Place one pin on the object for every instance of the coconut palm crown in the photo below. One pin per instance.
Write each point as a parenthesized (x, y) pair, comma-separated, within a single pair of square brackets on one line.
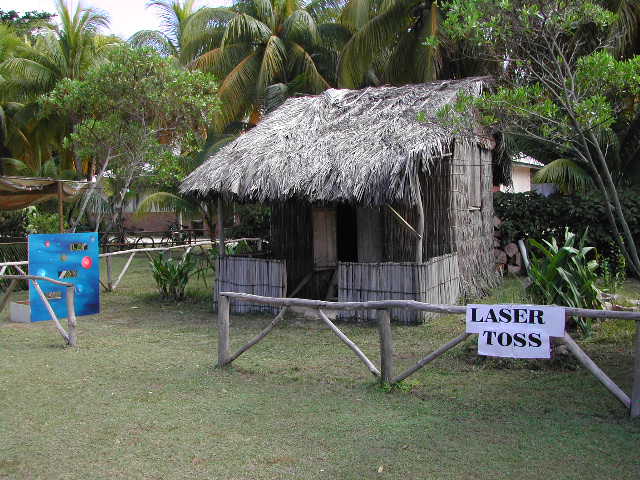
[(259, 43)]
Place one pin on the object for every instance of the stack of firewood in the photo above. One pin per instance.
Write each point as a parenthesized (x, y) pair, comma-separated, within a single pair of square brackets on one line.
[(508, 258)]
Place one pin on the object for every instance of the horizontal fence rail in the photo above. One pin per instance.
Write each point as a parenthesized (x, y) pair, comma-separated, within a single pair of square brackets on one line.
[(384, 307), (111, 285), (70, 337)]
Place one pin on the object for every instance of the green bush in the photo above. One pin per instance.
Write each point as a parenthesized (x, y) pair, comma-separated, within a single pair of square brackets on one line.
[(42, 222), (172, 275), (529, 215), (13, 223), (565, 275), (254, 222)]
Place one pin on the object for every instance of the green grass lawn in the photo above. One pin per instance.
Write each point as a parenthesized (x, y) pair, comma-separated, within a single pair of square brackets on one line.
[(140, 399)]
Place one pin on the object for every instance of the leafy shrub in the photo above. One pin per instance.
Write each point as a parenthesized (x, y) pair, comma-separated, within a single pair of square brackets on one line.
[(13, 223), (172, 275), (254, 222), (529, 215), (613, 270), (42, 222), (564, 275)]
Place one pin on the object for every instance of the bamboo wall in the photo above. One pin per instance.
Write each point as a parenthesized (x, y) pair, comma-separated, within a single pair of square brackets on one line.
[(472, 228), (250, 275), (434, 281)]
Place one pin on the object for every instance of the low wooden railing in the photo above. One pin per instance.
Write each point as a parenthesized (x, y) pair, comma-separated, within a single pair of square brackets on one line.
[(386, 371), (70, 337), (111, 285)]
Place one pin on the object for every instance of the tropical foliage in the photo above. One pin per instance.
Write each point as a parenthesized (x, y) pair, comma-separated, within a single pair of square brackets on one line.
[(172, 275), (565, 275), (130, 111), (558, 88)]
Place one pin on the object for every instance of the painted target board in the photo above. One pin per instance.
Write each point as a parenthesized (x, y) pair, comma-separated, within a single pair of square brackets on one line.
[(515, 331), (69, 257)]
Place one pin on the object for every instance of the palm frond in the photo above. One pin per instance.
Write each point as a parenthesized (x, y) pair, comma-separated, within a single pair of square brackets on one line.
[(165, 201), (355, 14), (154, 39), (238, 90), (371, 39), (273, 63), (566, 174), (220, 61), (300, 27), (625, 31), (244, 28), (300, 62)]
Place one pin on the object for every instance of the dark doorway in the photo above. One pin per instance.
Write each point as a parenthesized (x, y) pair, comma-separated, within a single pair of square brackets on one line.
[(347, 233)]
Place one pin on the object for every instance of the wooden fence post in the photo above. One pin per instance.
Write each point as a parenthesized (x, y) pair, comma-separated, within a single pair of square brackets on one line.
[(109, 282), (634, 410), (386, 346), (71, 316), (223, 330)]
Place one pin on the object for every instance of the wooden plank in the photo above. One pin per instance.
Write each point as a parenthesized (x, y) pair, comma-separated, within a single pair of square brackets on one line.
[(431, 357), (7, 294), (386, 346), (124, 270), (258, 337), (221, 245), (325, 252), (47, 305), (590, 365), (372, 368), (223, 331), (412, 304), (71, 316)]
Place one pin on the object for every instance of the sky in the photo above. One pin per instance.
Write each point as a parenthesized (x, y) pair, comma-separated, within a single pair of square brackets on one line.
[(127, 16)]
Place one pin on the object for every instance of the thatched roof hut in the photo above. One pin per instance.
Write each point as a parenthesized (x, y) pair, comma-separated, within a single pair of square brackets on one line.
[(380, 159), (356, 146)]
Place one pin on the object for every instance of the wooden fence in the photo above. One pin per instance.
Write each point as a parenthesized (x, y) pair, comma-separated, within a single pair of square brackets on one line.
[(386, 371), (256, 276), (112, 281), (436, 280), (69, 337)]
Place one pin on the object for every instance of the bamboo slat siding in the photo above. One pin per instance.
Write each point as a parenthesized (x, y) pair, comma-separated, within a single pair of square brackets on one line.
[(435, 281), (250, 275), (472, 228)]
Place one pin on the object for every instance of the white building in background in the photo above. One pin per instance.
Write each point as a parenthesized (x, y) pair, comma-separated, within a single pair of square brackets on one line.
[(522, 172)]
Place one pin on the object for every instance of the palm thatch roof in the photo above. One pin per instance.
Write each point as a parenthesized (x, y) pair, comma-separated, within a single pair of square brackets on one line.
[(357, 146)]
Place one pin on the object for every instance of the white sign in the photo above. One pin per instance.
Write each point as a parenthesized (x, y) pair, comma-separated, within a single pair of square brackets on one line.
[(516, 331)]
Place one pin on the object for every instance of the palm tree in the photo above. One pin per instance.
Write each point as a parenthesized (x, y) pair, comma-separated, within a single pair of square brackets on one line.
[(184, 35), (37, 65), (625, 31), (394, 41), (260, 43)]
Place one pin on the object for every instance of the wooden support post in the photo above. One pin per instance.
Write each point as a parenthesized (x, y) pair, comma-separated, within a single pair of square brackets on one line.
[(386, 346), (258, 337), (429, 358), (109, 283), (634, 410), (589, 364), (60, 207), (223, 331), (221, 248), (71, 316), (51, 312), (372, 368), (124, 270), (420, 220), (7, 294)]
